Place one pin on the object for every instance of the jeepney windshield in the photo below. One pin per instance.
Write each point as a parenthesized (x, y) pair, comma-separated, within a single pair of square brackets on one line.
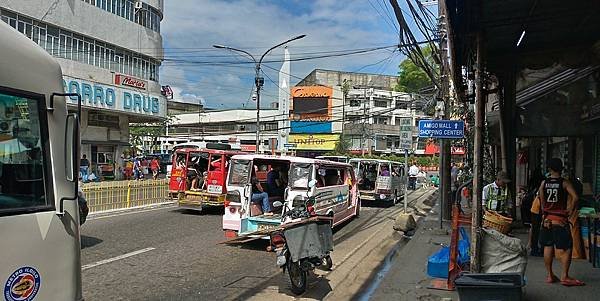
[(300, 175), (240, 172)]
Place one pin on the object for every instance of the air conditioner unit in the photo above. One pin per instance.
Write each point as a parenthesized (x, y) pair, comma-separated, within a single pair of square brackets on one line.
[(138, 4)]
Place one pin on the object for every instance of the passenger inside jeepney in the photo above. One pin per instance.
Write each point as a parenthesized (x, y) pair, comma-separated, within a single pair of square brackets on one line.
[(368, 176), (384, 172), (196, 171)]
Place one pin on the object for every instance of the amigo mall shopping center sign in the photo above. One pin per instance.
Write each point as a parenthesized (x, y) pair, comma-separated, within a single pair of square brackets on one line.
[(95, 95)]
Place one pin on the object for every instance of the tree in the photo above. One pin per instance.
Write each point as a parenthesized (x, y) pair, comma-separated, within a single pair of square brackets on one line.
[(140, 131), (412, 78)]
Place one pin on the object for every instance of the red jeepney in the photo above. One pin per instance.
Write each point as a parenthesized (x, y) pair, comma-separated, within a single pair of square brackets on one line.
[(198, 177)]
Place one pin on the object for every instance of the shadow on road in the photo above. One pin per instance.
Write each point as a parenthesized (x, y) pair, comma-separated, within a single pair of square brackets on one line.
[(205, 211), (89, 241)]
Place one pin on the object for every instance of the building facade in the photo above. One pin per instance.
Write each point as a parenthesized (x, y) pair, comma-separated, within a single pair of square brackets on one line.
[(237, 127), (361, 107), (110, 52)]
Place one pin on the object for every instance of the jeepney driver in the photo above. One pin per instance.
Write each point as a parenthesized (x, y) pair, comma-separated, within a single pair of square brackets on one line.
[(496, 197)]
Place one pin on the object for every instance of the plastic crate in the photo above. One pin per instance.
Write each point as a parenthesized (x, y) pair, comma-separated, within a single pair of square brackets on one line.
[(497, 287)]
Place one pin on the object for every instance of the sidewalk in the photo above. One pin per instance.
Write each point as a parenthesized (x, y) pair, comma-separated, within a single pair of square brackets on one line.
[(407, 278)]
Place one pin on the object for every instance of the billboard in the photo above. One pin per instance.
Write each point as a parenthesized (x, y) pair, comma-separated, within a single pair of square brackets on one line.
[(325, 142), (312, 103), (311, 127)]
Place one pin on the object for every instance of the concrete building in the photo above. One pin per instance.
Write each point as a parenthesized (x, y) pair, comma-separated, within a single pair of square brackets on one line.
[(236, 126), (110, 52), (368, 114)]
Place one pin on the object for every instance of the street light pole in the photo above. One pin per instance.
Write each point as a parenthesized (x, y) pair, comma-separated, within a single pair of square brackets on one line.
[(258, 80)]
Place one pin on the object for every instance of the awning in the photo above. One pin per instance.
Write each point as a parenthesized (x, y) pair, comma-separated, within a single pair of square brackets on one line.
[(551, 84)]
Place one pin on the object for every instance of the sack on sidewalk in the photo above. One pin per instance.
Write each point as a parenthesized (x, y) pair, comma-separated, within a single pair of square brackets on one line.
[(502, 254)]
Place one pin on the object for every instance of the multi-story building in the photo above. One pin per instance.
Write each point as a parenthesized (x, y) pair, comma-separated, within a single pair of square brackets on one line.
[(110, 52), (237, 127), (368, 113)]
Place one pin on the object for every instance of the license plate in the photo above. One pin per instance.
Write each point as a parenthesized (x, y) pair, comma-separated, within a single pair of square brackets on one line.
[(215, 188), (262, 227)]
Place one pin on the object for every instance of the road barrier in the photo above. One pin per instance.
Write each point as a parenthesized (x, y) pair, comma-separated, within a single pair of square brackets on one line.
[(113, 195)]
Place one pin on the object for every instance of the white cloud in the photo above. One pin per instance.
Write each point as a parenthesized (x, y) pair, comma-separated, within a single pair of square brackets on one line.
[(190, 27)]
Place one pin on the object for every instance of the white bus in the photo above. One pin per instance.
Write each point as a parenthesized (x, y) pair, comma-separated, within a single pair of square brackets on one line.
[(39, 162), (335, 191), (379, 180)]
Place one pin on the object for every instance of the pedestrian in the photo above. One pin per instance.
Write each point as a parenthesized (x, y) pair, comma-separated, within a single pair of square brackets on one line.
[(531, 202), (259, 195), (496, 196), (413, 172), (137, 169), (558, 200), (453, 182), (155, 167), (84, 167)]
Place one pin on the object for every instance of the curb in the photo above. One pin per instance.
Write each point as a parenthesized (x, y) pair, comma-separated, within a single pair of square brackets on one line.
[(115, 212)]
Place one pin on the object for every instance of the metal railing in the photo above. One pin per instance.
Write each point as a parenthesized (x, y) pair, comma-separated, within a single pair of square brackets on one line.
[(114, 195)]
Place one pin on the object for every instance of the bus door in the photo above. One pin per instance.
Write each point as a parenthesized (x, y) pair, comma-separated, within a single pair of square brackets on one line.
[(239, 193), (178, 180), (383, 184), (216, 174)]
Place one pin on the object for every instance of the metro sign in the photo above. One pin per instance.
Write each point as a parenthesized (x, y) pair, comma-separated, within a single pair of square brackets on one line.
[(129, 81)]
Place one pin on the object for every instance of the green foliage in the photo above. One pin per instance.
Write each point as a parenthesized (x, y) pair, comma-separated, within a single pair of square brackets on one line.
[(342, 147), (154, 130), (412, 78)]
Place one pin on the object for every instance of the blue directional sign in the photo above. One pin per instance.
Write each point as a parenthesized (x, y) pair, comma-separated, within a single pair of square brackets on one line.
[(444, 129)]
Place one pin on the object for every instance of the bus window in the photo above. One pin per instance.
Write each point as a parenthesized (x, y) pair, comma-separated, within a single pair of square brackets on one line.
[(299, 176), (240, 172), (21, 156)]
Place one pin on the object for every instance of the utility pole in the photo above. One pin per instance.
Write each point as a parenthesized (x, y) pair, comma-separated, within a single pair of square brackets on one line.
[(477, 160), (258, 80), (365, 120), (445, 156)]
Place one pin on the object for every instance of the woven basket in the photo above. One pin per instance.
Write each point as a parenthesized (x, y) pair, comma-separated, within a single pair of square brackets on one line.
[(497, 222)]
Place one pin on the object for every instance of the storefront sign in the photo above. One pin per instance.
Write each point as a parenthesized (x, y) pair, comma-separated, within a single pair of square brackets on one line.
[(312, 91), (314, 142), (95, 95), (125, 80), (311, 127)]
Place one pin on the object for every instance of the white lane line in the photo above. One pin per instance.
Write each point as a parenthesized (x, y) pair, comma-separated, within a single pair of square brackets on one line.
[(133, 211), (109, 260)]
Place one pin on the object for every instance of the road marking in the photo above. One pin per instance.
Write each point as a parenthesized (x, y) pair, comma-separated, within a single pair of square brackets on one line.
[(109, 260), (133, 211)]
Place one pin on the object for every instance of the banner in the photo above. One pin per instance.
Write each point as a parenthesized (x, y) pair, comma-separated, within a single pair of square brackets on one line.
[(324, 142)]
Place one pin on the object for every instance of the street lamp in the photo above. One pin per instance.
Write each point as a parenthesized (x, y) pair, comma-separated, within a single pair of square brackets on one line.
[(258, 81)]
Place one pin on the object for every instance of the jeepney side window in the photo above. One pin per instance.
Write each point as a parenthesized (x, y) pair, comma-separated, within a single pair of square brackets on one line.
[(240, 172), (22, 156), (300, 175)]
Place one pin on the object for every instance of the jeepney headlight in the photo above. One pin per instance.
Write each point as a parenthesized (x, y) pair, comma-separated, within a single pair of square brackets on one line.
[(382, 196)]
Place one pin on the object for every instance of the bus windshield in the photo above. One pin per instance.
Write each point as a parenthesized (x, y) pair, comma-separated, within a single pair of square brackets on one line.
[(21, 160), (299, 175), (240, 172)]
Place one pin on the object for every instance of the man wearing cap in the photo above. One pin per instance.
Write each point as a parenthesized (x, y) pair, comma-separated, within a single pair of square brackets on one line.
[(496, 196)]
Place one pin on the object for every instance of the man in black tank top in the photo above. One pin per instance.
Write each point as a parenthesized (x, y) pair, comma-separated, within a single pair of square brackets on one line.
[(555, 233)]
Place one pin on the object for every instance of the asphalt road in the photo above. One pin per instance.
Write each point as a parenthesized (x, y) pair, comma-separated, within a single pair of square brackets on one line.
[(171, 254)]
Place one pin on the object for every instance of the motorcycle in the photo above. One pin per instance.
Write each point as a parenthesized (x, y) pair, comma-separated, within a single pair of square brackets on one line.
[(304, 243)]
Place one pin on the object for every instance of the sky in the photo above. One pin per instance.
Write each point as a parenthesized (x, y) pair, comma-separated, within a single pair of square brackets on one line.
[(222, 79)]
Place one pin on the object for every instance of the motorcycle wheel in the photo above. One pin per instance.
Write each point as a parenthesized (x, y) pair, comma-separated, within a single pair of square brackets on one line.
[(327, 263), (297, 277)]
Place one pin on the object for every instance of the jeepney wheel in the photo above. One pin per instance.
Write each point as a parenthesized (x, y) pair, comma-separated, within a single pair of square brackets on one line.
[(327, 263), (297, 277)]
